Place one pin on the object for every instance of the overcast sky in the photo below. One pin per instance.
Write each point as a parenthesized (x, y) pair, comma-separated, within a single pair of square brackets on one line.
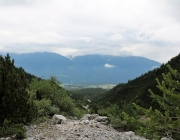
[(148, 28)]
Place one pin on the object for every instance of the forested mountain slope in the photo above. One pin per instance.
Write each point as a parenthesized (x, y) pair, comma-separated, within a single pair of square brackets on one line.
[(88, 69), (137, 90)]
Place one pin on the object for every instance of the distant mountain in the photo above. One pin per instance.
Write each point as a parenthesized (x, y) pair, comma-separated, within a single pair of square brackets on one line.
[(89, 69), (136, 90)]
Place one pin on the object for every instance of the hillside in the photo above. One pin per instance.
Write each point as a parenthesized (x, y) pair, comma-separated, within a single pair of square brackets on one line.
[(87, 93), (137, 90), (89, 69)]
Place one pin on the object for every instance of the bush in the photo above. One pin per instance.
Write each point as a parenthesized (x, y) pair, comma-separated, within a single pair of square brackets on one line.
[(20, 134), (50, 98), (8, 129), (118, 116), (166, 120)]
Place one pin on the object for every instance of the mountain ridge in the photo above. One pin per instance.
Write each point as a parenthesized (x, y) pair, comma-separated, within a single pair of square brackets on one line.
[(86, 69), (136, 90)]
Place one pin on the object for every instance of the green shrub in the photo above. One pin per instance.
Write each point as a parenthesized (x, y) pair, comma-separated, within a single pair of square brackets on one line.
[(8, 129), (166, 120), (118, 117), (50, 98), (20, 134), (53, 110)]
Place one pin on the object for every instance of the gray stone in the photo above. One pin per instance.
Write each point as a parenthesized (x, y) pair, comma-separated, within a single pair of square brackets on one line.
[(29, 138), (58, 119), (85, 121), (85, 117), (93, 116), (130, 134), (164, 138), (102, 119)]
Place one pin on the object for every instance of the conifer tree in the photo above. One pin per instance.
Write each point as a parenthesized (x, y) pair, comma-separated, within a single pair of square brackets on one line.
[(14, 99), (166, 120)]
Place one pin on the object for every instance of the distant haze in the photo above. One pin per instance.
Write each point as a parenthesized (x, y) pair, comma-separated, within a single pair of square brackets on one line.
[(89, 69), (148, 28)]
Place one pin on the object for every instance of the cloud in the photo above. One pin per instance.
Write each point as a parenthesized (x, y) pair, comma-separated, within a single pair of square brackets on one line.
[(154, 67), (85, 39), (145, 28), (14, 2), (108, 66), (116, 37)]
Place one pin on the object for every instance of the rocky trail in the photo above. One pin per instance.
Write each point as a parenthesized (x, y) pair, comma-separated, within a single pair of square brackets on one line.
[(89, 127)]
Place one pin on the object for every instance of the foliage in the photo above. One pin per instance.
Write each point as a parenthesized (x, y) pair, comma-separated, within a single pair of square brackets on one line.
[(15, 104), (8, 129), (166, 120), (87, 93), (50, 98), (20, 134), (87, 96), (117, 116)]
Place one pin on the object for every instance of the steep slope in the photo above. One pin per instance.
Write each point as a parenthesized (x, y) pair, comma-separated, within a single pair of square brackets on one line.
[(89, 69), (137, 90)]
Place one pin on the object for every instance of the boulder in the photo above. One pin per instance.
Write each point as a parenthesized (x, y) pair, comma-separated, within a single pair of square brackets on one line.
[(85, 117), (93, 116), (102, 119), (89, 117), (58, 119), (130, 134)]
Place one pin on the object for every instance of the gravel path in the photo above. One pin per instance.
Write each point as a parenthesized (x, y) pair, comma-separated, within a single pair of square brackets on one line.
[(77, 130)]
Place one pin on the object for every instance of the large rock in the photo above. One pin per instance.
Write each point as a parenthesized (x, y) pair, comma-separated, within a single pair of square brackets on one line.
[(102, 119), (58, 119), (85, 117), (94, 118), (89, 117)]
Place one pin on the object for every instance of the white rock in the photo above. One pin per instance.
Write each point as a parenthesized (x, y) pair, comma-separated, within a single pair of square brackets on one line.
[(130, 134), (58, 119), (164, 138), (102, 119), (85, 117), (29, 139)]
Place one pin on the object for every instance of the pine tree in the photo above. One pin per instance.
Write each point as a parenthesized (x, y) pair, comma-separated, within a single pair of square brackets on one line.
[(166, 120), (14, 99)]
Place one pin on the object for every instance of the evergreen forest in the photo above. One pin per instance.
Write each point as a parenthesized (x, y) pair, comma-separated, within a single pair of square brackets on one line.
[(148, 105)]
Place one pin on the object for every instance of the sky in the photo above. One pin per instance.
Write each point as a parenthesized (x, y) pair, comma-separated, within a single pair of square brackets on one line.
[(147, 28)]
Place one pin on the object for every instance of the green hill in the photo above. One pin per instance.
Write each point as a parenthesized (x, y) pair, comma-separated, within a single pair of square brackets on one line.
[(137, 90)]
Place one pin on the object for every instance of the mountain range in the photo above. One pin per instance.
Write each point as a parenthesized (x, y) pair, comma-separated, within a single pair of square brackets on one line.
[(88, 69), (136, 90)]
